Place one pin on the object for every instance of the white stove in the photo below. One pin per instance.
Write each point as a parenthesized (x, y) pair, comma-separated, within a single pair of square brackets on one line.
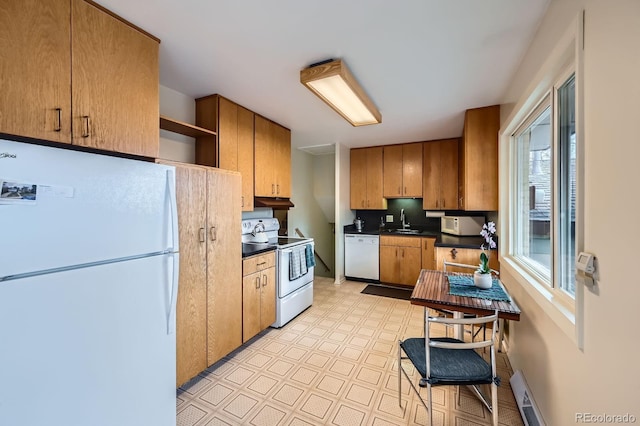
[(294, 273)]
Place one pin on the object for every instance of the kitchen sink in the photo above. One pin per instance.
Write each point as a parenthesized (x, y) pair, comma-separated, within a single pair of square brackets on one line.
[(404, 231)]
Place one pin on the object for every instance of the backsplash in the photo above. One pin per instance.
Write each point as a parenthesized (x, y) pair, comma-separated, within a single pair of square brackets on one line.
[(414, 215)]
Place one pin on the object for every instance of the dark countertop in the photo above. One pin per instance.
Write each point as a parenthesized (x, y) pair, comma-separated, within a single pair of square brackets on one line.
[(442, 240), (253, 249)]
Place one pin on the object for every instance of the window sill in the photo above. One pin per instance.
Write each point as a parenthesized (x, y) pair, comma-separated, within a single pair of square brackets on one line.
[(557, 310)]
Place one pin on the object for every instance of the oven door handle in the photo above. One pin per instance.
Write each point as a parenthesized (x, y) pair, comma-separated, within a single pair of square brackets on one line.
[(286, 251)]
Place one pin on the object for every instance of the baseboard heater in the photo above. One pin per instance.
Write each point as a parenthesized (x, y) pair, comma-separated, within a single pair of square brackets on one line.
[(527, 406)]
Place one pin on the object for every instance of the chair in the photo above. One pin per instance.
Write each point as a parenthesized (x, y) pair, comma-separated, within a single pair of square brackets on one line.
[(447, 361)]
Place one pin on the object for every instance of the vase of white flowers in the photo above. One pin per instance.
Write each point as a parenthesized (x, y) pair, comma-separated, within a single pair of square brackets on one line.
[(482, 276)]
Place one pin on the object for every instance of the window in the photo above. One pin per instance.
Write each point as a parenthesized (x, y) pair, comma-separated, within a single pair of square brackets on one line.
[(544, 189)]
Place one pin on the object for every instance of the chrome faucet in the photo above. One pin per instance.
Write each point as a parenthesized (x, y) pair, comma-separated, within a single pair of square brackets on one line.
[(402, 218)]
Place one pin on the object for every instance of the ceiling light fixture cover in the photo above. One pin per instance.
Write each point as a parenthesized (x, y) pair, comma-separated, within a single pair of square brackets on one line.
[(332, 82)]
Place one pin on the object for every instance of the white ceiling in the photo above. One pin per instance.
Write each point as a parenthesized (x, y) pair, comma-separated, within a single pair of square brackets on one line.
[(423, 62)]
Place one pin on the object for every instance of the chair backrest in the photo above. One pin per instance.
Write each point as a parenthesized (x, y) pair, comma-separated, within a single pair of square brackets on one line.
[(457, 267), (449, 344)]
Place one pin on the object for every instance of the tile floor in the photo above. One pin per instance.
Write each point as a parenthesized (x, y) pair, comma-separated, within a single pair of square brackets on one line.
[(335, 364)]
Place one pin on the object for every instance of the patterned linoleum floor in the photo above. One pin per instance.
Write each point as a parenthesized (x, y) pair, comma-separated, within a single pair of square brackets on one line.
[(335, 364)]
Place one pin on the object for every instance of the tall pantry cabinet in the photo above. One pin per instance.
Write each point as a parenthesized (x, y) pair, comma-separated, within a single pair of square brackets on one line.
[(73, 72), (209, 307)]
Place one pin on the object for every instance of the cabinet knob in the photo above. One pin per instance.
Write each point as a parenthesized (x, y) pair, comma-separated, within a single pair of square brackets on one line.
[(454, 252), (213, 233), (273, 188), (265, 280), (278, 189), (258, 282), (202, 237)]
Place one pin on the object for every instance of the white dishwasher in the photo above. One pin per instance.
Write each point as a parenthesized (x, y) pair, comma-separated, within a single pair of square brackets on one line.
[(362, 256)]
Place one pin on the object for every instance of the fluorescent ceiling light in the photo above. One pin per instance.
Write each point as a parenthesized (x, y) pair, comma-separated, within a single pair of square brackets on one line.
[(332, 82)]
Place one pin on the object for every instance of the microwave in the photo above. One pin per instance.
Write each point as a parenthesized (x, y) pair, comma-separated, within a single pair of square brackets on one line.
[(461, 225)]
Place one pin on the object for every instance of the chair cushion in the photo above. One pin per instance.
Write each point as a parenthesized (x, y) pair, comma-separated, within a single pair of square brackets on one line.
[(448, 366)]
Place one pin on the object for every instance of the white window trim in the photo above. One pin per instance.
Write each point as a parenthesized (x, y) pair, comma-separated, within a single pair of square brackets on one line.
[(565, 313)]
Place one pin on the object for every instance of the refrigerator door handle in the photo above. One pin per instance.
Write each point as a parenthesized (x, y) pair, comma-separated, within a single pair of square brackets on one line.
[(171, 187), (171, 317)]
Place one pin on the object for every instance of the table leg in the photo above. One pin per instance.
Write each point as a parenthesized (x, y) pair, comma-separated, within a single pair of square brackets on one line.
[(500, 333)]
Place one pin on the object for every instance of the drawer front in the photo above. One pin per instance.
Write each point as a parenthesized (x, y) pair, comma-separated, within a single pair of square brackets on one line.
[(399, 241), (253, 264)]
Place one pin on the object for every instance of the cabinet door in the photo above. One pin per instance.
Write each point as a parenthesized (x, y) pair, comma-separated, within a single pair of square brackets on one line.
[(428, 253), (114, 85), (358, 178), (264, 154), (410, 264), (35, 72), (389, 265), (431, 175), (245, 156), (412, 170), (251, 295), (282, 160), (224, 263), (480, 142), (375, 198), (227, 134), (191, 307), (449, 174), (267, 298), (392, 171)]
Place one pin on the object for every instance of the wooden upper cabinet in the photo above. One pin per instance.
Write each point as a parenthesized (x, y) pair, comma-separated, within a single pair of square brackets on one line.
[(35, 74), (272, 159), (114, 83), (478, 171), (402, 170), (375, 197), (73, 72), (440, 185), (366, 181), (392, 171), (358, 178), (235, 138)]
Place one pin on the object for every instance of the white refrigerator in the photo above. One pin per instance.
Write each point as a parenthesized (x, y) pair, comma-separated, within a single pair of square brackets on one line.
[(88, 288)]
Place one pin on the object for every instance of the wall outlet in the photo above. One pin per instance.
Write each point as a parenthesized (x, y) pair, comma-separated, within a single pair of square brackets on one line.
[(389, 218)]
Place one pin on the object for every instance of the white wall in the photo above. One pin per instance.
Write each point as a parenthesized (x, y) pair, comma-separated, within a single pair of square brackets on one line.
[(344, 215), (307, 215), (604, 377)]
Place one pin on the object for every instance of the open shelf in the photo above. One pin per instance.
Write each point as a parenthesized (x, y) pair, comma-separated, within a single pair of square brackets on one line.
[(183, 128)]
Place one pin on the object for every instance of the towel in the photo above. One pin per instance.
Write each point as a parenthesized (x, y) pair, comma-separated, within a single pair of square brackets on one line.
[(297, 263), (308, 254)]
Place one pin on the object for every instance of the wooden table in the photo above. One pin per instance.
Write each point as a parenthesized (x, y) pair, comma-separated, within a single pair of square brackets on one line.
[(432, 291)]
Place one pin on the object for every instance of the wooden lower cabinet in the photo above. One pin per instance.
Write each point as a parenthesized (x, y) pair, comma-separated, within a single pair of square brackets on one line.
[(258, 294), (209, 305), (428, 253), (464, 255), (400, 260)]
